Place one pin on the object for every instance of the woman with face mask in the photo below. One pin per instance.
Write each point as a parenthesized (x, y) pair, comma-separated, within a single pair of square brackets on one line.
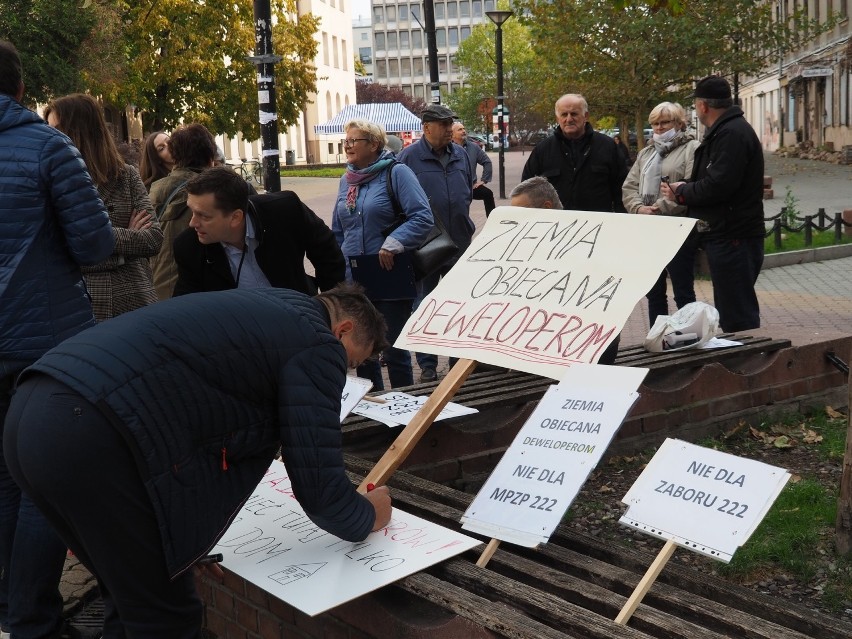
[(668, 157)]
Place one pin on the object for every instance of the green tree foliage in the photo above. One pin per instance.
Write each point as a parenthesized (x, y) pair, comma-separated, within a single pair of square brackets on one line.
[(187, 61), (530, 110), (626, 57)]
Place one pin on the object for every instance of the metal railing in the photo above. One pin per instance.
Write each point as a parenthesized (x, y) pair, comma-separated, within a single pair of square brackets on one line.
[(807, 224)]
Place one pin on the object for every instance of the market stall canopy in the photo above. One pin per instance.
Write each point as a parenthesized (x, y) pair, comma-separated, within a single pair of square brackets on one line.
[(393, 116)]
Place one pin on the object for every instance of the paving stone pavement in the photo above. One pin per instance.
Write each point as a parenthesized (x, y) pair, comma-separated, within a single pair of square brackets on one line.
[(804, 303)]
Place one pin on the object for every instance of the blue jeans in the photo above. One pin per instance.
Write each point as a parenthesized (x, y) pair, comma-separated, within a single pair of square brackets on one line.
[(681, 271), (31, 554), (734, 267), (396, 314), (424, 287)]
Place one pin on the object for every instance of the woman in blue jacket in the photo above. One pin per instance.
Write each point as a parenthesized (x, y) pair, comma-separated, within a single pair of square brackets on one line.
[(363, 222)]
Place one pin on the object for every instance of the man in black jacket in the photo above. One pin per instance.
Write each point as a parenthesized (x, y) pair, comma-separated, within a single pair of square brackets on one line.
[(584, 165), (141, 438), (725, 193), (237, 241)]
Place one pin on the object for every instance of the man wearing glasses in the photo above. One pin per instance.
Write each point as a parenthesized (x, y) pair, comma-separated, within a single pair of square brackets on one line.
[(444, 173)]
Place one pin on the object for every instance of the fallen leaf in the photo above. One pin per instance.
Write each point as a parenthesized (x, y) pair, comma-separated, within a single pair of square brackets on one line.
[(783, 442), (811, 437), (833, 414), (795, 479), (757, 434), (606, 488)]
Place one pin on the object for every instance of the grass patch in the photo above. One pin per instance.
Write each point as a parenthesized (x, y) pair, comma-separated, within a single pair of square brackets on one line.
[(323, 172), (796, 241)]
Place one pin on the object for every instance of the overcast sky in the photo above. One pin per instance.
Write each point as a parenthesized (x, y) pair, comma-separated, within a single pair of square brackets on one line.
[(360, 7)]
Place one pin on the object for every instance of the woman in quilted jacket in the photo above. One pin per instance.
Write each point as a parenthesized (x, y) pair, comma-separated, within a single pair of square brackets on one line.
[(122, 282)]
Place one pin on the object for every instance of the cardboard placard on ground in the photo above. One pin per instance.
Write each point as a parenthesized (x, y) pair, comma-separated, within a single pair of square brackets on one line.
[(702, 499), (353, 392), (538, 290), (274, 545), (563, 440), (399, 409)]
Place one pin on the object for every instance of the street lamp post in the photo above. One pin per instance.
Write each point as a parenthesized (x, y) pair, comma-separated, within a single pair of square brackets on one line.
[(737, 37), (498, 18)]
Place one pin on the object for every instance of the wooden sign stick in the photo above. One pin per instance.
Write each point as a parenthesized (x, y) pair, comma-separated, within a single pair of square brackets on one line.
[(419, 424), (646, 582), (489, 551)]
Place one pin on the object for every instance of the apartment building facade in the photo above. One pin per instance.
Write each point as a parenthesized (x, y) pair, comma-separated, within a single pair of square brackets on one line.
[(805, 96)]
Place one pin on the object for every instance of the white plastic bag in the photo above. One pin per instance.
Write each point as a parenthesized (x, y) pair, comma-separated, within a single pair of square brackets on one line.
[(690, 327)]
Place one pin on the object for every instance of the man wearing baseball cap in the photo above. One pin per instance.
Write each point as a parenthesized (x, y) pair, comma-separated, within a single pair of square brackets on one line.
[(443, 170), (725, 193)]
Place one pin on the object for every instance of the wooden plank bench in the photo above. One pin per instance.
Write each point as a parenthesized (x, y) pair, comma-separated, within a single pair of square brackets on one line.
[(575, 585)]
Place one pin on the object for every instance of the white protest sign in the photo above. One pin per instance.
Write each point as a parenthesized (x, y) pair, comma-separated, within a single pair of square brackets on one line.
[(541, 473), (274, 545), (400, 408), (537, 290), (702, 499), (353, 392)]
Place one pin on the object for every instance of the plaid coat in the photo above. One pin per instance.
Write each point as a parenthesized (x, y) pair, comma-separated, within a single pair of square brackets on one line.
[(123, 282)]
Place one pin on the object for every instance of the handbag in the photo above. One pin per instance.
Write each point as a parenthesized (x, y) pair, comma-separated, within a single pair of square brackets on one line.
[(438, 247)]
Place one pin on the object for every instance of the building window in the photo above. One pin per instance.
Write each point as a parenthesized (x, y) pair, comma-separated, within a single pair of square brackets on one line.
[(418, 66), (489, 5), (405, 67), (465, 33), (477, 8), (439, 11), (403, 13), (378, 15), (364, 35), (334, 51), (416, 39), (344, 54), (331, 148), (454, 67), (391, 13), (380, 41), (415, 11), (441, 37), (419, 91), (403, 41), (406, 89), (442, 64), (366, 55), (453, 36), (325, 48), (393, 68), (452, 10), (464, 8), (381, 69), (392, 45)]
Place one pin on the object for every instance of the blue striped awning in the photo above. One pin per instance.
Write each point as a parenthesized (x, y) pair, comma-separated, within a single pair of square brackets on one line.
[(394, 117)]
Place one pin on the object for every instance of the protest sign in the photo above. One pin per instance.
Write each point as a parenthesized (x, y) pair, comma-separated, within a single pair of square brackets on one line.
[(563, 440), (274, 545), (538, 290), (353, 392), (702, 499), (398, 409)]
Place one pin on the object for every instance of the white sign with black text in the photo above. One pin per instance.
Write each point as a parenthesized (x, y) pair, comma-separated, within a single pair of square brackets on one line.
[(702, 499), (541, 473), (274, 545)]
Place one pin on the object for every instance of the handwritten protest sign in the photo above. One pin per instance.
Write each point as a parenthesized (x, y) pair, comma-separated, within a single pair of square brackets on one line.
[(705, 500), (274, 545), (538, 290), (353, 393), (563, 440), (400, 408)]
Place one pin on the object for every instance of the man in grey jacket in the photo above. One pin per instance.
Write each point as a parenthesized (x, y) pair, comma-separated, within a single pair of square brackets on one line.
[(477, 156), (51, 222)]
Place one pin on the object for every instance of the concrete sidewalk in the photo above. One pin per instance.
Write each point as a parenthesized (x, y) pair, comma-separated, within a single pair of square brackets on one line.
[(804, 303)]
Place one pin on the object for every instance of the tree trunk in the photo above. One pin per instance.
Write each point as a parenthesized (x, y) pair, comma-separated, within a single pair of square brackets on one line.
[(640, 130), (843, 528)]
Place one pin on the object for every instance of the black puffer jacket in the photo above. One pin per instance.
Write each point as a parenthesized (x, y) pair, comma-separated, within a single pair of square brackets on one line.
[(726, 187), (204, 388), (592, 181)]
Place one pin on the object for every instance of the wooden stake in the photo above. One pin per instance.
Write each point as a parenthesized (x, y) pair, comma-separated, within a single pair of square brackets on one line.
[(419, 424), (646, 582), (843, 527), (486, 555)]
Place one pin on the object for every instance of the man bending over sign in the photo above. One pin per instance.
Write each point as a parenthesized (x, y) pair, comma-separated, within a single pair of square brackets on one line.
[(141, 438)]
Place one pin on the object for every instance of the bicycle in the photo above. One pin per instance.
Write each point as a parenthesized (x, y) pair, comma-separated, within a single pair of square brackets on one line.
[(251, 170)]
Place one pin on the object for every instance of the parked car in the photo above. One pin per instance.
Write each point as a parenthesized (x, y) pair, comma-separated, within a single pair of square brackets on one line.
[(479, 139)]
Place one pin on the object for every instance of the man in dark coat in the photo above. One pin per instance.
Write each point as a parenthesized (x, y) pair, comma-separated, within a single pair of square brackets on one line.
[(141, 438), (52, 221), (725, 193), (584, 165), (237, 241)]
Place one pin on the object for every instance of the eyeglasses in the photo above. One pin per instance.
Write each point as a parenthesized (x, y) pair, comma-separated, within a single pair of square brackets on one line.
[(352, 141)]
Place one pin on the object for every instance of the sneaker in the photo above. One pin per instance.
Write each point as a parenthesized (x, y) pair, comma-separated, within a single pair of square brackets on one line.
[(428, 375), (4, 634)]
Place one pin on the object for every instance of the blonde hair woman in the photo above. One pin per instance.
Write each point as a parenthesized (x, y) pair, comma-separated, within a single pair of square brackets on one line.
[(668, 157)]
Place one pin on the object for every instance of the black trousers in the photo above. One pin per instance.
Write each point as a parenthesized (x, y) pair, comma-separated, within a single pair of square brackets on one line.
[(81, 474), (485, 194)]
